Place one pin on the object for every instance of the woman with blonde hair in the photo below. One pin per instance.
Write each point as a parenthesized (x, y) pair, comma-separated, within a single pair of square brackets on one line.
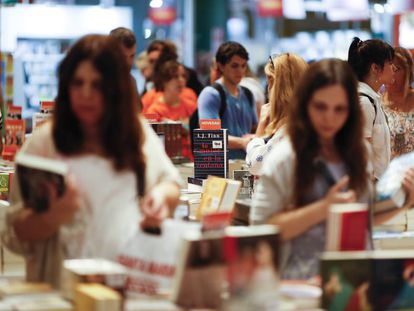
[(399, 104), (282, 72)]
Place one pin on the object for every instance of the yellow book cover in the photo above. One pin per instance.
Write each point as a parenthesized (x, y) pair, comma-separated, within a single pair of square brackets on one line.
[(212, 195)]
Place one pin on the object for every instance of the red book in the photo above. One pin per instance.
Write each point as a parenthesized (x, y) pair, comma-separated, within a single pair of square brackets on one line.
[(347, 227)]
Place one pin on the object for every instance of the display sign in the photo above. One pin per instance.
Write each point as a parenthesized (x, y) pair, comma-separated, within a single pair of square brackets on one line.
[(163, 15), (339, 10), (270, 8)]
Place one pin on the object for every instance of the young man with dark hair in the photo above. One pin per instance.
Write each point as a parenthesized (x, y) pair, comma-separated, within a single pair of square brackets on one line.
[(239, 116), (129, 44)]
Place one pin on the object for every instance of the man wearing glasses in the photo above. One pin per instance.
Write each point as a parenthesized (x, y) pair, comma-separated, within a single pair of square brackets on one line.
[(239, 116)]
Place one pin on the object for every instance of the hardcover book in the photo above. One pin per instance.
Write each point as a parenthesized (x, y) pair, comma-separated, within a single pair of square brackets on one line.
[(35, 175), (210, 153), (14, 137), (347, 227)]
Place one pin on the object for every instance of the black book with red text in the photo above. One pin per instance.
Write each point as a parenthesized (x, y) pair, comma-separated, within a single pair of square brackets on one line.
[(210, 153)]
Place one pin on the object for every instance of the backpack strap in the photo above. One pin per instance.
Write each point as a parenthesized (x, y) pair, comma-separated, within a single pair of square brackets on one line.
[(223, 101), (249, 95), (373, 104)]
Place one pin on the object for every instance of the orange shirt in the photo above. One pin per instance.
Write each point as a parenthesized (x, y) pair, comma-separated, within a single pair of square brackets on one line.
[(180, 112), (188, 97)]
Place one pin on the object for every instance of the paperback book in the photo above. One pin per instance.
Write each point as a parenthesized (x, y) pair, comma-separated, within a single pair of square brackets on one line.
[(35, 175)]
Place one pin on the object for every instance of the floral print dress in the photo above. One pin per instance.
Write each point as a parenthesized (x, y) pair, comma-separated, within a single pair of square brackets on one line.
[(401, 126)]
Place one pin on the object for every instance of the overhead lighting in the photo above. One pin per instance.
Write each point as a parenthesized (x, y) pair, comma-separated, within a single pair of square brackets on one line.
[(156, 4), (147, 33)]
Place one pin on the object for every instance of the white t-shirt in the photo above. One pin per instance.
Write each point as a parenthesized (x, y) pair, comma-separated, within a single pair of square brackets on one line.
[(375, 128)]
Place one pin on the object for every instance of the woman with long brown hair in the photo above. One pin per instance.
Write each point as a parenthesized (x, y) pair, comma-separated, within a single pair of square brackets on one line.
[(119, 173), (324, 161)]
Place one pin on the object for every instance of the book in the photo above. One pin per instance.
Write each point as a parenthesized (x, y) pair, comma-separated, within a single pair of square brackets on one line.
[(210, 265), (172, 132), (347, 227), (97, 297), (252, 260), (210, 153), (200, 271), (38, 302), (45, 113), (220, 194), (389, 192), (23, 288), (35, 174), (370, 280), (15, 130), (94, 270), (247, 181)]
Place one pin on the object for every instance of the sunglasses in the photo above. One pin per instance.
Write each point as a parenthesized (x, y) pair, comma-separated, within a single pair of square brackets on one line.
[(275, 55)]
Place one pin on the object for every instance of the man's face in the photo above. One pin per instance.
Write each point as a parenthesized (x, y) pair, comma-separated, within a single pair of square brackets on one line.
[(234, 70), (152, 58), (129, 55)]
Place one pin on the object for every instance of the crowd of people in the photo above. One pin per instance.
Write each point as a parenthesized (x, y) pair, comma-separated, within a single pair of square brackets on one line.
[(326, 134)]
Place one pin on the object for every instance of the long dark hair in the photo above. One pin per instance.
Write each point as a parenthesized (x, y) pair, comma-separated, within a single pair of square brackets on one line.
[(362, 54), (348, 141), (121, 134)]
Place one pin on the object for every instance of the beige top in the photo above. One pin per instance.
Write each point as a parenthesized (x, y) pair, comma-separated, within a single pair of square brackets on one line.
[(108, 211)]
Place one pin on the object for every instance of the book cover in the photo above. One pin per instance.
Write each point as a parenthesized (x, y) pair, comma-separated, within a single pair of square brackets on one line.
[(252, 260), (35, 174), (97, 297), (392, 287), (346, 279), (14, 112), (15, 135), (247, 181), (200, 272), (212, 195), (210, 153), (347, 227), (370, 280)]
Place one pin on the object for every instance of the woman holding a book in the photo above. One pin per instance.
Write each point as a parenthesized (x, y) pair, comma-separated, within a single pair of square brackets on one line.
[(323, 161), (119, 175)]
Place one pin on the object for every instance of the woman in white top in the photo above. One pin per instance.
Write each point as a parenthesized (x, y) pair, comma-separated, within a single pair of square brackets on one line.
[(323, 161), (282, 72), (120, 175), (371, 61)]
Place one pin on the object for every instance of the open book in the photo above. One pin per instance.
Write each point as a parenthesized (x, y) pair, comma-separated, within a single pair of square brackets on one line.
[(35, 174), (389, 192)]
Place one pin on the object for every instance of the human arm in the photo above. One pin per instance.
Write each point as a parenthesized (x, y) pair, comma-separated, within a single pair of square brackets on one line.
[(408, 185), (30, 226), (162, 181), (295, 222), (264, 120), (369, 115)]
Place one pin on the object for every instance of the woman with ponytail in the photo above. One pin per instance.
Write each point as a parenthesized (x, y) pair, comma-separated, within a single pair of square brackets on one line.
[(372, 63)]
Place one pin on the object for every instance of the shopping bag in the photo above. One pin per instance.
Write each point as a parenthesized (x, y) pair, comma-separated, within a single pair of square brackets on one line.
[(152, 258)]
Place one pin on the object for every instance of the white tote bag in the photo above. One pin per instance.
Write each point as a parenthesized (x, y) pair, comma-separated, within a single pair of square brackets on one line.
[(152, 258)]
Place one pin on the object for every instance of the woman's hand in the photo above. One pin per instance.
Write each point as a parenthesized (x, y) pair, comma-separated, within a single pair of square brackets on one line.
[(159, 204), (408, 185), (337, 195), (264, 120)]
